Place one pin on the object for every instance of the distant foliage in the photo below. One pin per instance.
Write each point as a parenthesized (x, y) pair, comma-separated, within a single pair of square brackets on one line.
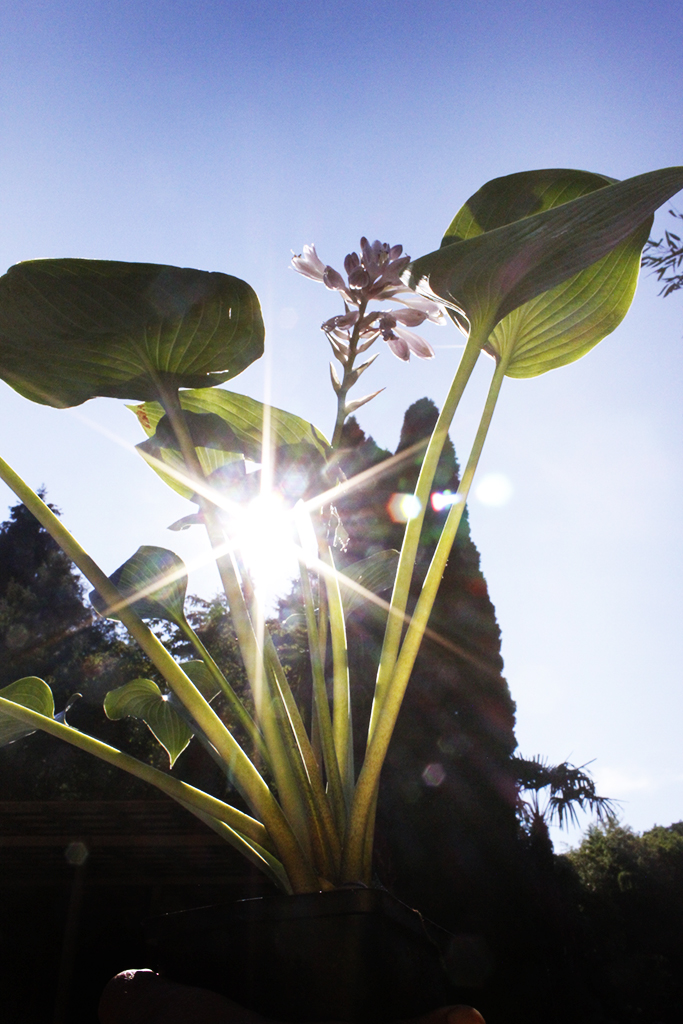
[(48, 630), (665, 258), (552, 794), (632, 895)]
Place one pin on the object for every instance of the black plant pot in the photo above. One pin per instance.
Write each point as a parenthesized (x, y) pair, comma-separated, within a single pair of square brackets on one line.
[(348, 955)]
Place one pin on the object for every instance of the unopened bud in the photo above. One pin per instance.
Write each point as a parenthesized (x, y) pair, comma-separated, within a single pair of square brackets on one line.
[(333, 279), (351, 262), (336, 383), (359, 278)]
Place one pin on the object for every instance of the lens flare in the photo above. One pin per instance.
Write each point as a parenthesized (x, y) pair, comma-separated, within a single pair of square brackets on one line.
[(403, 507), (494, 489), (433, 775), (441, 500)]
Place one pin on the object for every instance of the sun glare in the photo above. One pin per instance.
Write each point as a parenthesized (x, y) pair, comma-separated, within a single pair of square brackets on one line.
[(263, 532), (494, 489)]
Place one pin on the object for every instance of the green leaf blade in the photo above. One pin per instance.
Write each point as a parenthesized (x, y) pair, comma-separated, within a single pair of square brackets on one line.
[(143, 699), (504, 200), (227, 428), (374, 574), (153, 582), (202, 679), (32, 693), (563, 324), (492, 271), (74, 329)]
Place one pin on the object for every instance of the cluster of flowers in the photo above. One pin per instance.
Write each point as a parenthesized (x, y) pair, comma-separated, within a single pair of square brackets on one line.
[(374, 276)]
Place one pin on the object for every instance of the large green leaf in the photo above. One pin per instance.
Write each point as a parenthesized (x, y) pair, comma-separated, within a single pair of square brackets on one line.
[(504, 200), (143, 699), (533, 233), (31, 693), (74, 329), (564, 323), (158, 576), (227, 428), (375, 574)]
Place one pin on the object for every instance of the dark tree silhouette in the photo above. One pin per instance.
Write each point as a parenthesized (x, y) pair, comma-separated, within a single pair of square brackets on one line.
[(446, 814), (631, 894), (47, 630), (41, 602), (552, 793)]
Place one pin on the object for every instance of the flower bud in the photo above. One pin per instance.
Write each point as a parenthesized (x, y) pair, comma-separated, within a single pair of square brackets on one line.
[(344, 320), (333, 280), (351, 262), (359, 278)]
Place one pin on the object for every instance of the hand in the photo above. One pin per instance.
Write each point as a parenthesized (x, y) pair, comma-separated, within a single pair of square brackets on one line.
[(142, 997)]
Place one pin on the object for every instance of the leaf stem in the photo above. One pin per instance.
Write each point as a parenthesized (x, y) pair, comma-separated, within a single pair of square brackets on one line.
[(342, 723), (254, 788), (321, 706), (355, 852), (235, 704), (284, 734), (180, 791), (411, 539), (257, 855)]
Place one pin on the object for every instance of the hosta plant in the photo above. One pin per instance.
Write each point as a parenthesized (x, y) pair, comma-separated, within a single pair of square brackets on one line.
[(535, 269)]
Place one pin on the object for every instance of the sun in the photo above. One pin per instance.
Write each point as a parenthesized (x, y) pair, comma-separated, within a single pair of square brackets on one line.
[(263, 533)]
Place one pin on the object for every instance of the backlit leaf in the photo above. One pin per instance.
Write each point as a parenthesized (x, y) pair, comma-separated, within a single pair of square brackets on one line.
[(202, 679), (143, 699), (376, 574), (564, 323), (228, 428), (533, 233), (31, 693), (153, 582), (73, 329)]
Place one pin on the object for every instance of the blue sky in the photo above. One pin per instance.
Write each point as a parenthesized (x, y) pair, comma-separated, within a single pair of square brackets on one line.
[(225, 135)]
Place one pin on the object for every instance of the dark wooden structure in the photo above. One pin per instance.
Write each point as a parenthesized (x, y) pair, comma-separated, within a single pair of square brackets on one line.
[(78, 878)]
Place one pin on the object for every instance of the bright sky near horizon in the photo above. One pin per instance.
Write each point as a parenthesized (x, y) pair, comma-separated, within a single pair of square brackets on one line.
[(223, 135)]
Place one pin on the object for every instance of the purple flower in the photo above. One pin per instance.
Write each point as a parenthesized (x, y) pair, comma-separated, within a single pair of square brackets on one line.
[(374, 275), (400, 340), (371, 276), (309, 264), (432, 310)]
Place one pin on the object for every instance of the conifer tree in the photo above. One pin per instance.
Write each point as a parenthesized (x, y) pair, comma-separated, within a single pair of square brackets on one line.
[(446, 815)]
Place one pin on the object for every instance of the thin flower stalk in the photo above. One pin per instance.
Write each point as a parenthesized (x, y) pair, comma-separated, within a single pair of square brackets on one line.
[(321, 707), (372, 276)]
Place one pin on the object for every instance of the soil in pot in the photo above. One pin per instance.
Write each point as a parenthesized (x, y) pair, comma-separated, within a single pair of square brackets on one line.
[(355, 955)]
